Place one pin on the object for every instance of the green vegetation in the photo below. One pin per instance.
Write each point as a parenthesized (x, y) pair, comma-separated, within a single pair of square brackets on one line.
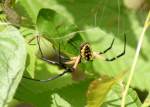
[(71, 23)]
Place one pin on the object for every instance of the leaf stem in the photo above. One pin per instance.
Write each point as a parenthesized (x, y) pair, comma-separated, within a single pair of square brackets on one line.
[(147, 23)]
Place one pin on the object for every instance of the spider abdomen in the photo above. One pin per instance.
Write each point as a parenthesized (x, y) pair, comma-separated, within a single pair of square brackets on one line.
[(85, 51)]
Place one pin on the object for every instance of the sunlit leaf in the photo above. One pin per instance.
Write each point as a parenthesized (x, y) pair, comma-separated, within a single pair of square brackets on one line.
[(99, 88), (113, 98), (12, 63), (58, 30), (98, 91)]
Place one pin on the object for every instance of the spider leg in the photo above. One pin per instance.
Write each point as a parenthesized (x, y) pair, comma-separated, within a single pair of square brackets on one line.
[(38, 42), (67, 70), (33, 38), (51, 78), (59, 56), (108, 47), (29, 42), (42, 56), (77, 61), (119, 55)]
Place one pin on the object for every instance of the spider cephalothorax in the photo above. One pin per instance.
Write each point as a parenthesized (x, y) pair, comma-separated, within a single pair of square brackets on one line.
[(85, 51)]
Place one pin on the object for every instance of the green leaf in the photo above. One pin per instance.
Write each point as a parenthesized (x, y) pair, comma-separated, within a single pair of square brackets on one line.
[(31, 60), (57, 29), (113, 98), (12, 63), (103, 93), (73, 95), (29, 8), (99, 88)]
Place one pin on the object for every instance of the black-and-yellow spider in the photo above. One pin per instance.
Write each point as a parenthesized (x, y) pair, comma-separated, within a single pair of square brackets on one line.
[(85, 53)]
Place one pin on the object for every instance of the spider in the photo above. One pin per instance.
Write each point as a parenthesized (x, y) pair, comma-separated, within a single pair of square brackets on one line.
[(85, 53)]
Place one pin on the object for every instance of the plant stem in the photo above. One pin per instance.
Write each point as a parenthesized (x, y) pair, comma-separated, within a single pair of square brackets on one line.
[(147, 23)]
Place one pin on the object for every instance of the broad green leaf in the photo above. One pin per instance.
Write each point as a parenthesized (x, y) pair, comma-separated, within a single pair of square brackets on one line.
[(30, 8), (113, 98), (99, 88), (58, 30), (59, 101), (69, 94), (12, 63), (31, 60), (74, 95)]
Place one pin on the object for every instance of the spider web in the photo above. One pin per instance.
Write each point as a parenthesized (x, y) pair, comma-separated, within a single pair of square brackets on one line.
[(100, 16)]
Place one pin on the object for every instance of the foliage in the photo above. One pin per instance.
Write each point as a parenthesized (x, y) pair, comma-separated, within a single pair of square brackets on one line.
[(12, 63), (70, 23)]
